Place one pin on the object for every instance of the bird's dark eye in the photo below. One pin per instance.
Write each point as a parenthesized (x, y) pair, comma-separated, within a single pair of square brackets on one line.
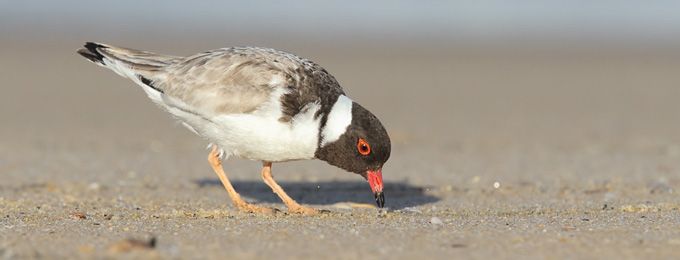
[(364, 148)]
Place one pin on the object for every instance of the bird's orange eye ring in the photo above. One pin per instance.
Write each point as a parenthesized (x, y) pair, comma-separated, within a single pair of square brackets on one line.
[(364, 148)]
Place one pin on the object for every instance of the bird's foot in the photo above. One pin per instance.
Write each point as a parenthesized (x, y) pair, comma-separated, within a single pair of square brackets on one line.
[(302, 210), (250, 208)]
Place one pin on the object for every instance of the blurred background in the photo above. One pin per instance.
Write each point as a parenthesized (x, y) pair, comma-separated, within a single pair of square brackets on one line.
[(524, 23), (512, 91)]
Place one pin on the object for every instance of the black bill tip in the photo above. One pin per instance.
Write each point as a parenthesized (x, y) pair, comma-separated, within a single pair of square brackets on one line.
[(380, 199)]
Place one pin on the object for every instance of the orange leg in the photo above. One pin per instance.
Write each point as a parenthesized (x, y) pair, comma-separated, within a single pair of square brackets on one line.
[(293, 206), (216, 164)]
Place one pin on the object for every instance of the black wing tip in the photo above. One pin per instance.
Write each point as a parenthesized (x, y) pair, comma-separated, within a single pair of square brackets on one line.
[(91, 52), (149, 83)]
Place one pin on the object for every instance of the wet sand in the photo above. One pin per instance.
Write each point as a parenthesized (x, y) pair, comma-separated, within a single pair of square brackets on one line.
[(501, 154)]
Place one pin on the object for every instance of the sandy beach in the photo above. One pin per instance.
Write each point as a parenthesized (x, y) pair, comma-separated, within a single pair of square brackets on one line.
[(497, 154)]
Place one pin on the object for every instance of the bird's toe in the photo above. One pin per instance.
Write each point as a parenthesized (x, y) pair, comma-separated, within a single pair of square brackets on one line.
[(302, 210), (250, 208)]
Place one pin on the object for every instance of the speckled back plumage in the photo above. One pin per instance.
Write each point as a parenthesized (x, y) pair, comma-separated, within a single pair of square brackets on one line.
[(240, 77)]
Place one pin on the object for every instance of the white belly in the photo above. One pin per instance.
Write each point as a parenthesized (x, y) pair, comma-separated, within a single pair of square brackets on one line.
[(255, 137), (258, 135)]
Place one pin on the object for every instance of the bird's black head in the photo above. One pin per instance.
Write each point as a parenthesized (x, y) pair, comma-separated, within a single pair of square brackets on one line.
[(363, 149)]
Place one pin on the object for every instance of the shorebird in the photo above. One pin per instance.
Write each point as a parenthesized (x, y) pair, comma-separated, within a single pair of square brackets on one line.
[(258, 104)]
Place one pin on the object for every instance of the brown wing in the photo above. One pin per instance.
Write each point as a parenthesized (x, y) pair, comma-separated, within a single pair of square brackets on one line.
[(224, 81), (220, 82), (239, 80)]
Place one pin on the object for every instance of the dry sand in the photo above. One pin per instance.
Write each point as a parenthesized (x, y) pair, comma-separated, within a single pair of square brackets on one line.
[(496, 154)]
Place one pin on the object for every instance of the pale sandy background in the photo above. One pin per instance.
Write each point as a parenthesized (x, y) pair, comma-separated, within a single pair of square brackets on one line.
[(573, 112)]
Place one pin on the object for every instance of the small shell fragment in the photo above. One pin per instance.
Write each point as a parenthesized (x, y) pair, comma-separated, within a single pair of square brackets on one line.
[(436, 221)]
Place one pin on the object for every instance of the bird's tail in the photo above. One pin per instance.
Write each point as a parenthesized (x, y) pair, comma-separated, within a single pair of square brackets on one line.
[(144, 68), (121, 59)]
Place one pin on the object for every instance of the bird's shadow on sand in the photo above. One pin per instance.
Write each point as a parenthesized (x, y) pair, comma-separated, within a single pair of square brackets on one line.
[(397, 195)]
